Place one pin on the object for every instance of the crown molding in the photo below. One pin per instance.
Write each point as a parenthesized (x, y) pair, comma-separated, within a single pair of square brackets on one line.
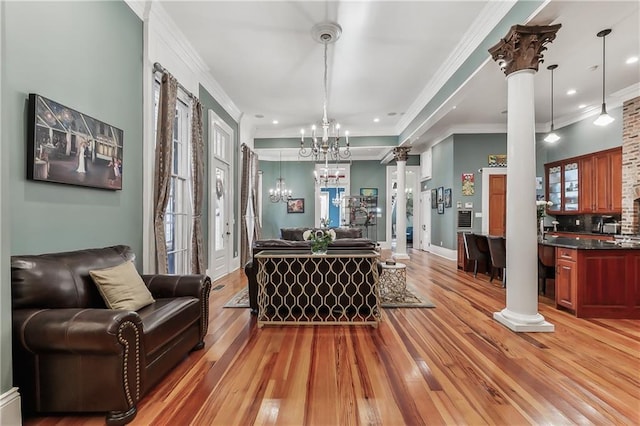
[(295, 133), (177, 41), (138, 7), (490, 16)]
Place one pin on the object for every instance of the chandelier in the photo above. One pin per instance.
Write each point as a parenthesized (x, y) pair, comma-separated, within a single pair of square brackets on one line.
[(326, 177), (328, 145), (280, 193)]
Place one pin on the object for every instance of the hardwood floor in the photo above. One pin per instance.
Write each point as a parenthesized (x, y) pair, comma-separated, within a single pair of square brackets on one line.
[(449, 365)]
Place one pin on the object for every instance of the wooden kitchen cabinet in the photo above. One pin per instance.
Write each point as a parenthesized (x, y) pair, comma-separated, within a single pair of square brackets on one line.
[(587, 184), (566, 277)]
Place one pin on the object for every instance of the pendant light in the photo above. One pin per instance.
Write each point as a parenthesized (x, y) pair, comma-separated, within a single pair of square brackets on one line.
[(281, 193), (552, 137), (604, 118)]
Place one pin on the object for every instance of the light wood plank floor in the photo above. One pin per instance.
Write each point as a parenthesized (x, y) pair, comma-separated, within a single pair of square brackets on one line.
[(450, 365)]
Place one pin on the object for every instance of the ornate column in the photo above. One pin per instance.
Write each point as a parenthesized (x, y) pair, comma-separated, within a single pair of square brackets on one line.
[(519, 54), (400, 154)]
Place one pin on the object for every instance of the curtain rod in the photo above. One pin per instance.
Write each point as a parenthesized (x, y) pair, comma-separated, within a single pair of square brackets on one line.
[(159, 68)]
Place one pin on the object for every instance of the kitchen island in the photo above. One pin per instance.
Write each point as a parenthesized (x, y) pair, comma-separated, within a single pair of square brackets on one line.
[(595, 278)]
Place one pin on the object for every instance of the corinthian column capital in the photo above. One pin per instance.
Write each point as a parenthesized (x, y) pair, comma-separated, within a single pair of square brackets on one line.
[(522, 47), (401, 153)]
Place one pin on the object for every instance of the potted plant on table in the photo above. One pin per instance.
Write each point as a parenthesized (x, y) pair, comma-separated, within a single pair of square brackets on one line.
[(320, 239)]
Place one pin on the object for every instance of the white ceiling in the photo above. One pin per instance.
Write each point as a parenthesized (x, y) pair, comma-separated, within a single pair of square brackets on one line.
[(394, 55)]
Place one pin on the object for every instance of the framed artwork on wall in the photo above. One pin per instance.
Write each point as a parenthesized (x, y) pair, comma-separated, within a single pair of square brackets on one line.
[(295, 205), (434, 198), (440, 194), (440, 208), (369, 192), (447, 197), (70, 147)]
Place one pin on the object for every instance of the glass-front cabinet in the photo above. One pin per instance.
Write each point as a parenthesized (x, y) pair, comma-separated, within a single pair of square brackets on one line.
[(562, 187), (571, 187), (554, 188)]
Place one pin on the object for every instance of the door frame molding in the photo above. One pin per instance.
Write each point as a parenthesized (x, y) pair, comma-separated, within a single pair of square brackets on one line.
[(486, 172)]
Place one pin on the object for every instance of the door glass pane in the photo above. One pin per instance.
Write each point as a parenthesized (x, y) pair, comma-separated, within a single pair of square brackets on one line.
[(571, 187), (220, 219)]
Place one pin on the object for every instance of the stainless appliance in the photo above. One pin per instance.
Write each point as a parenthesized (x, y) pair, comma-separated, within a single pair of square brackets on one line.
[(611, 228)]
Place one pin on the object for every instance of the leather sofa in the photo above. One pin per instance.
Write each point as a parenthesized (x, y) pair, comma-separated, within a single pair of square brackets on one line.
[(73, 354), (344, 243)]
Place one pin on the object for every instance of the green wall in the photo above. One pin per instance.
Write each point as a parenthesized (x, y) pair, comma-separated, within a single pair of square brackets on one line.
[(470, 154), (299, 178), (442, 225), (582, 137), (88, 56), (209, 103)]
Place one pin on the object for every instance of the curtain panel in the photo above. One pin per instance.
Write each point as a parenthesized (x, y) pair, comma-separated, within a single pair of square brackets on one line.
[(197, 186), (163, 161), (248, 197)]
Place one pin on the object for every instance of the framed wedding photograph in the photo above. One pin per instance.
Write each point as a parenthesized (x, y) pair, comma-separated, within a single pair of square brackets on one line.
[(440, 208), (295, 205), (447, 197), (434, 198), (70, 147), (440, 194)]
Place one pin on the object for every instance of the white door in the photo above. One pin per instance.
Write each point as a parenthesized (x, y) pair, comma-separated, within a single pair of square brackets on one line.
[(221, 223), (425, 234), (220, 197)]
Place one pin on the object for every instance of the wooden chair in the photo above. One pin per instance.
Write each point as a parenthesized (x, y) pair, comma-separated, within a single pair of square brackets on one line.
[(498, 251), (473, 252)]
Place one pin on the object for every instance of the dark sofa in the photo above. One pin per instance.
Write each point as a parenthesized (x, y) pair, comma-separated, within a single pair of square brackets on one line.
[(73, 354), (346, 239)]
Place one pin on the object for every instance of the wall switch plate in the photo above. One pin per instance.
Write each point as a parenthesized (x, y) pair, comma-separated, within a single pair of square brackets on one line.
[(577, 221), (478, 214)]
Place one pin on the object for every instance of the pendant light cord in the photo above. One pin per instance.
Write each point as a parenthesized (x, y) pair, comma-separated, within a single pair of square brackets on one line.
[(603, 67), (552, 99)]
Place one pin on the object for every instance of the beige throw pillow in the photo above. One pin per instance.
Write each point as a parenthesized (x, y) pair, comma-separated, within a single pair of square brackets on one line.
[(122, 287)]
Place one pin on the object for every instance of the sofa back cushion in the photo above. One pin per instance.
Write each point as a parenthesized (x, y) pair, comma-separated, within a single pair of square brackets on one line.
[(295, 234), (121, 287), (62, 280)]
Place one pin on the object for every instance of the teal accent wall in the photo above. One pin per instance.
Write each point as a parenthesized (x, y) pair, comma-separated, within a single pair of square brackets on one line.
[(442, 225), (87, 56), (298, 176), (209, 103), (470, 154), (582, 137), (372, 174)]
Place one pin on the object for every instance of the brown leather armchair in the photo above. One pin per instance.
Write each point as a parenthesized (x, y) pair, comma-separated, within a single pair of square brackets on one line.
[(73, 354)]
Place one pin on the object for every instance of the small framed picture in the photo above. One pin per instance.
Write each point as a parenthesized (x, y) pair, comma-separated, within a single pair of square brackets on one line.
[(295, 205), (447, 197), (369, 192), (440, 208), (440, 194), (434, 198)]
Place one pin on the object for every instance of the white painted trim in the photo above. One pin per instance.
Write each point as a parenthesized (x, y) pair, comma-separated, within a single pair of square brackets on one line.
[(176, 40), (148, 155), (10, 411), (215, 120), (486, 21), (484, 208), (416, 193), (444, 252)]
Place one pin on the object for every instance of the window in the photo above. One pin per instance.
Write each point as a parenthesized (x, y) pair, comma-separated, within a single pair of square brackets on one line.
[(178, 217)]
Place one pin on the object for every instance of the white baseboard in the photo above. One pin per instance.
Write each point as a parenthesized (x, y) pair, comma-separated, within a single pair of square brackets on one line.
[(10, 414), (444, 252)]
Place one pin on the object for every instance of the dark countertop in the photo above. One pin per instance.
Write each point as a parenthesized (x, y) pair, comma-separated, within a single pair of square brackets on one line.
[(588, 244)]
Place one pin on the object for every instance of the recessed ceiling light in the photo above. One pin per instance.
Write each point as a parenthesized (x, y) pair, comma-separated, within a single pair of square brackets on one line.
[(632, 60), (259, 116), (571, 92), (454, 107), (582, 106), (275, 121), (375, 120)]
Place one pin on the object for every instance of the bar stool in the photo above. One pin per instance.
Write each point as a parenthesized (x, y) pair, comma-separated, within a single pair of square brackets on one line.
[(473, 252), (498, 251)]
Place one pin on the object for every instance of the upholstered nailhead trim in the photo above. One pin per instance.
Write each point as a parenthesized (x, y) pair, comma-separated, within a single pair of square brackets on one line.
[(125, 343), (204, 318)]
